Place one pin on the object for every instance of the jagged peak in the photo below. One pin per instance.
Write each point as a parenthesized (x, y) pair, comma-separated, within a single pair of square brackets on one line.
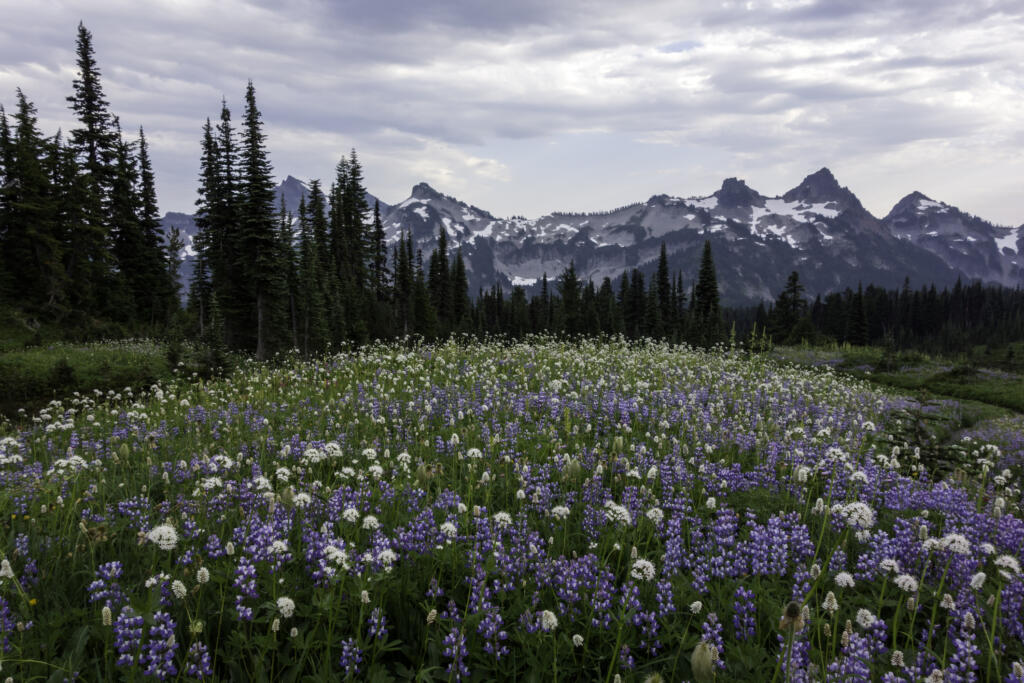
[(822, 186), (425, 191), (736, 193)]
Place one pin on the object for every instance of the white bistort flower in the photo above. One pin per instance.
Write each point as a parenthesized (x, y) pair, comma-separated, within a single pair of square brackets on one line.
[(286, 606), (548, 620), (956, 543), (865, 618), (178, 588), (1008, 565), (978, 580), (844, 580), (164, 536), (560, 512), (656, 515), (643, 570), (906, 582)]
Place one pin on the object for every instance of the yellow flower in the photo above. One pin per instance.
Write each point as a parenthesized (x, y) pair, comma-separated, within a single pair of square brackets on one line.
[(32, 602)]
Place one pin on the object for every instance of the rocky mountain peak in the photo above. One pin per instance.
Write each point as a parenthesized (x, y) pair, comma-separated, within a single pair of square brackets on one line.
[(820, 186), (735, 193), (909, 204), (425, 191)]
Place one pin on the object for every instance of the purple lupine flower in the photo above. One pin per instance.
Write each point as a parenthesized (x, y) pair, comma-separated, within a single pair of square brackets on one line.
[(7, 625), (455, 649), (106, 589), (127, 636), (199, 664), (377, 624), (490, 628), (158, 653), (351, 657), (711, 633), (743, 620)]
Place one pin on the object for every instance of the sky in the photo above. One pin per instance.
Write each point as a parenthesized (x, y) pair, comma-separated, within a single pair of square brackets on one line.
[(524, 107)]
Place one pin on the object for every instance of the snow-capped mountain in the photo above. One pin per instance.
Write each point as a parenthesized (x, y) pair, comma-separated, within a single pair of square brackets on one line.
[(818, 228), (976, 247)]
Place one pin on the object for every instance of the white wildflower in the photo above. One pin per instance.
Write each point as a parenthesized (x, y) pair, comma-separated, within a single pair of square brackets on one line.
[(560, 512), (643, 570), (906, 582), (286, 606), (865, 618), (844, 580), (370, 522), (164, 536), (548, 620)]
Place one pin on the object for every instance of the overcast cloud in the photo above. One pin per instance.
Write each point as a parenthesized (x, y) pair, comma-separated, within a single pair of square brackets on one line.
[(526, 107)]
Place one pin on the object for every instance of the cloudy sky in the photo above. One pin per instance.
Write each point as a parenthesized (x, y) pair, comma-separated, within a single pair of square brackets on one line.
[(530, 106)]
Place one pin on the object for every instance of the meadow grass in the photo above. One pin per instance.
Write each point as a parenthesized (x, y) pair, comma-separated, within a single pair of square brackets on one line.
[(543, 510)]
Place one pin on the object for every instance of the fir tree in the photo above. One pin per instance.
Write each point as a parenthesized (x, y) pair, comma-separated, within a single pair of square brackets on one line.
[(163, 288), (460, 292), (31, 248), (705, 312), (257, 241), (88, 264), (379, 270)]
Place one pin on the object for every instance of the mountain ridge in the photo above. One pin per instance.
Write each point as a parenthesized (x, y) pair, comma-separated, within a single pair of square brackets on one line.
[(819, 228)]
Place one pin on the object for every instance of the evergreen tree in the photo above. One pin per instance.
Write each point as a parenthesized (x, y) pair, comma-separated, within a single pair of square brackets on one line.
[(790, 308), (379, 270), (257, 241), (438, 281), (460, 292), (705, 312), (663, 281), (163, 288), (88, 263), (569, 291), (128, 289), (31, 253)]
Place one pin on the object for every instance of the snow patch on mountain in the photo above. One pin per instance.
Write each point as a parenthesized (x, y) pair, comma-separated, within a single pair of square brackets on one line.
[(1009, 240)]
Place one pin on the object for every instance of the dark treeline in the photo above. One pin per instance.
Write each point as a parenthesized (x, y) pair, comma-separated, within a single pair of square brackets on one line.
[(946, 321), (81, 244)]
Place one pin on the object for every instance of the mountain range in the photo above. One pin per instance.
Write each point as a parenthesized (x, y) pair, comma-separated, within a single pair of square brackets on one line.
[(818, 228)]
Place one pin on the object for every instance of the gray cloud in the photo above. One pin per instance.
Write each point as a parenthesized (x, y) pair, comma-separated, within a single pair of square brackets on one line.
[(471, 94)]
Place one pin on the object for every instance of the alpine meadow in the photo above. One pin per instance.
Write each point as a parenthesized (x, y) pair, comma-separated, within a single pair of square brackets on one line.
[(294, 432)]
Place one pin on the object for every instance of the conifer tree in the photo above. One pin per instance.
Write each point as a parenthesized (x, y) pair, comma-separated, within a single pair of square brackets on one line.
[(664, 290), (379, 262), (569, 291), (163, 288), (705, 312), (438, 281), (129, 287), (88, 261), (460, 292), (257, 241), (31, 253)]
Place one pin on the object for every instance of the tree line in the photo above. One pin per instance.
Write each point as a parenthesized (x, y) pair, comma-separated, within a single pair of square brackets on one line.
[(948, 321), (81, 242)]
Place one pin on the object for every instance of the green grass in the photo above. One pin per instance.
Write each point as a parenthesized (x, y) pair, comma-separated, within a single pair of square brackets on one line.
[(29, 378)]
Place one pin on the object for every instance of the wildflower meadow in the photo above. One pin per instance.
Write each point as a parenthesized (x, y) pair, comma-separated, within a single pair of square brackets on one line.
[(540, 511)]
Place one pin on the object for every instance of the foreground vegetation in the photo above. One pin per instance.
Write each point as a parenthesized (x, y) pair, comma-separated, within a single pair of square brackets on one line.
[(535, 511)]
